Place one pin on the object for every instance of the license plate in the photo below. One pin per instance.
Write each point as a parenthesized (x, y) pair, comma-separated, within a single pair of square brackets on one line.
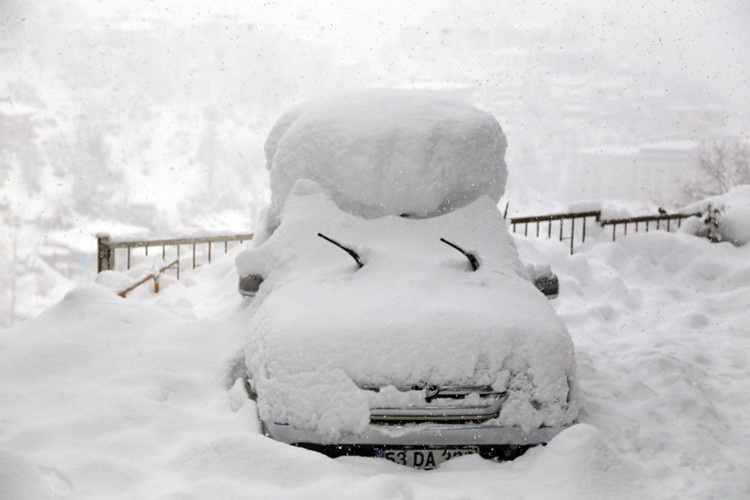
[(424, 458)]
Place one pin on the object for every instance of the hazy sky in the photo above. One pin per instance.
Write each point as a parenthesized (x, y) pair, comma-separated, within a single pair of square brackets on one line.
[(698, 48), (707, 41), (703, 41)]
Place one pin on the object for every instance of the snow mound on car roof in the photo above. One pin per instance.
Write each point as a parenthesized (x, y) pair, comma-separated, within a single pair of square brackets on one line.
[(387, 152)]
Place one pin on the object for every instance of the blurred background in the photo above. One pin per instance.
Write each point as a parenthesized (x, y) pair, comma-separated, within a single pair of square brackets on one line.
[(147, 118)]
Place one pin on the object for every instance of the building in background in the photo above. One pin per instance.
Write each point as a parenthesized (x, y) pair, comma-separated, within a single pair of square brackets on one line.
[(651, 172)]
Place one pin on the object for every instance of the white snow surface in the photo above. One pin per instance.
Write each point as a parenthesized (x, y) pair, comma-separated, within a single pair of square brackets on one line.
[(734, 223), (102, 397), (387, 152), (415, 314)]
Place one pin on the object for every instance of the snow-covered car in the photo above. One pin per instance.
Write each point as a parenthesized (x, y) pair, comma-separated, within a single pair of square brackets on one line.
[(405, 327)]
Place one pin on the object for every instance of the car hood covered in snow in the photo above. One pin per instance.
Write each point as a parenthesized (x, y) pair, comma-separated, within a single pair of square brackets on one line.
[(415, 314)]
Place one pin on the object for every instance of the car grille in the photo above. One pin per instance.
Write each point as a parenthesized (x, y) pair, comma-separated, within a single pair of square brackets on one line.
[(436, 410)]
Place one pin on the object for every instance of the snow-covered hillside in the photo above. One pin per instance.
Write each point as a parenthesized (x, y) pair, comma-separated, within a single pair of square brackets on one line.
[(110, 398)]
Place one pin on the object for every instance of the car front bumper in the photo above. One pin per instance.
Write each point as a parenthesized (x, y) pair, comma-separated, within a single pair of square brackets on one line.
[(419, 435)]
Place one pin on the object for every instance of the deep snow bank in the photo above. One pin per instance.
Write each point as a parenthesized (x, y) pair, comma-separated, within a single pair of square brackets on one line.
[(387, 152), (660, 323)]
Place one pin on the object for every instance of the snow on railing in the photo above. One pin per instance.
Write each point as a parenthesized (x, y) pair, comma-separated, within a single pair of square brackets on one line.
[(647, 220), (107, 248), (562, 217), (662, 220)]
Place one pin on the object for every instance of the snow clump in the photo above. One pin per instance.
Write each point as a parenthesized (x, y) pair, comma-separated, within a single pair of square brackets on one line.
[(384, 152), (726, 217)]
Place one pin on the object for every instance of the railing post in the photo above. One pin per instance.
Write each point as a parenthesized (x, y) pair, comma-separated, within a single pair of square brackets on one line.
[(572, 233), (614, 228), (583, 234), (105, 255)]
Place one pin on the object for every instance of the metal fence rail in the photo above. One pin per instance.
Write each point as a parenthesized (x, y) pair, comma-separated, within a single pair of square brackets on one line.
[(561, 217), (647, 220), (658, 222), (107, 247), (156, 276)]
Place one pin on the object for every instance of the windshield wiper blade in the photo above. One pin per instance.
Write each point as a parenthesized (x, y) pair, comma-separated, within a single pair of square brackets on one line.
[(472, 259), (351, 252)]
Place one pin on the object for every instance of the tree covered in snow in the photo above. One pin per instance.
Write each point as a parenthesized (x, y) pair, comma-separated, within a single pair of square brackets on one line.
[(722, 164), (725, 217)]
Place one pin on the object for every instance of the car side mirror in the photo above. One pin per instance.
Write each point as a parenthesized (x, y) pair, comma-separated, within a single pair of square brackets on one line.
[(249, 285), (548, 284)]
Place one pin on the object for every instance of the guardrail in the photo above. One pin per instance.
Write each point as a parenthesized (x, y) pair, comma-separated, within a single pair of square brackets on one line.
[(561, 217), (662, 219), (647, 220), (107, 248)]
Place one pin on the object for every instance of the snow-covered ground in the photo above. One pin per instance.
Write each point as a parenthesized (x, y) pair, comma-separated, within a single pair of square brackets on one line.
[(103, 397)]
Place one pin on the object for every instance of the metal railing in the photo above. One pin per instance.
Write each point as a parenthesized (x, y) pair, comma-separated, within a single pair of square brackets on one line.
[(647, 220), (662, 220), (107, 248), (156, 276), (561, 217)]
